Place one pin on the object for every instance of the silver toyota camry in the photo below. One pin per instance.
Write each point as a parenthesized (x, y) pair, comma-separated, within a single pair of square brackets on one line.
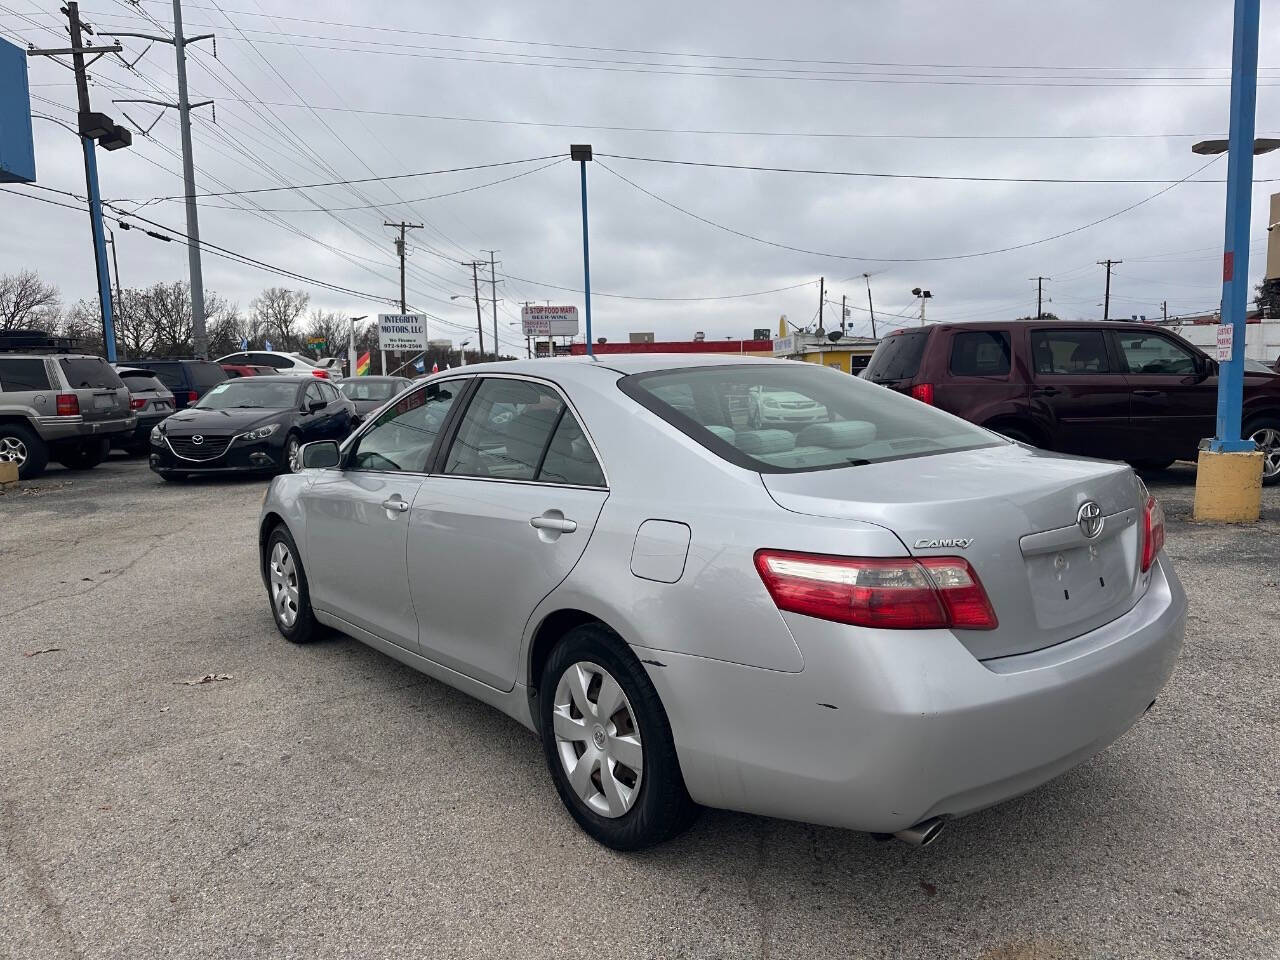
[(878, 617)]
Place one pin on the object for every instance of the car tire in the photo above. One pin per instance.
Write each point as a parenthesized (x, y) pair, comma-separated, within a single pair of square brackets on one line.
[(21, 445), (86, 456), (292, 453), (1265, 432), (287, 590), (619, 815)]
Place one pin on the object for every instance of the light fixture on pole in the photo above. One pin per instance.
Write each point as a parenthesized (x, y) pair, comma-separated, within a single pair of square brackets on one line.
[(462, 352), (923, 295)]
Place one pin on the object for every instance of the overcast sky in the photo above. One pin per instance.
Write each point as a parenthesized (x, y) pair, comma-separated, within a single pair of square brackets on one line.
[(934, 82)]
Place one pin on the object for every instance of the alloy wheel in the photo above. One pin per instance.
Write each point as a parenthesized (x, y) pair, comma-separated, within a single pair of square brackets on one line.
[(13, 450), (598, 739), (293, 454), (284, 584), (1268, 441)]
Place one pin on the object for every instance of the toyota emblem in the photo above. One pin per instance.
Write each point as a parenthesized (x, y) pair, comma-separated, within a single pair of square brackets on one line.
[(1089, 518), (197, 440)]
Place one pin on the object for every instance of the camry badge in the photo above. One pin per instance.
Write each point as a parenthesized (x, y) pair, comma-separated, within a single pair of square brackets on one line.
[(1090, 520), (929, 543), (197, 439)]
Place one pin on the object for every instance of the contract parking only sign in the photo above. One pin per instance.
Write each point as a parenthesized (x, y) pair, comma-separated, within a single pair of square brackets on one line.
[(402, 332)]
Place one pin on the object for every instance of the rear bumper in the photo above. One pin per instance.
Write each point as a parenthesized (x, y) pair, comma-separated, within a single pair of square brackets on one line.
[(53, 429), (883, 729)]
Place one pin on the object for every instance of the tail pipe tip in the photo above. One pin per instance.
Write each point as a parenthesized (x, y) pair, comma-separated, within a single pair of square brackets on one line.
[(923, 833)]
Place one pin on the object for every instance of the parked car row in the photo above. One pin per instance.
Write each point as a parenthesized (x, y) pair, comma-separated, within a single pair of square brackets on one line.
[(1119, 391)]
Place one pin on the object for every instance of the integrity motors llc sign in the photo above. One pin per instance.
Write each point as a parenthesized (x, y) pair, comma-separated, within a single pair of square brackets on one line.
[(402, 331)]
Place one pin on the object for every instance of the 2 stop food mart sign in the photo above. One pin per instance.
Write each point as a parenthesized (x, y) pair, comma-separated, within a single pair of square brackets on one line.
[(538, 321)]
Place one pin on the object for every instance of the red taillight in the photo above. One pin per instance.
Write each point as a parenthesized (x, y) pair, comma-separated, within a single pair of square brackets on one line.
[(137, 403), (1152, 532), (68, 405), (322, 374), (895, 594), (192, 396), (923, 392)]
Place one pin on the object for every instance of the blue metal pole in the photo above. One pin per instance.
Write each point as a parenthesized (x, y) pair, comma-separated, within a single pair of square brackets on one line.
[(1235, 258), (586, 257), (99, 248)]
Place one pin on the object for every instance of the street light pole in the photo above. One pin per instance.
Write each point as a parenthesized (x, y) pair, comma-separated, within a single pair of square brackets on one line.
[(582, 153)]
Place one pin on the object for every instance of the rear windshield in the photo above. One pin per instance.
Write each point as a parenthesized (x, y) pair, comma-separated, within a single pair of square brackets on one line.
[(250, 392), (141, 382), (796, 417), (89, 373), (205, 373), (897, 357), (360, 389)]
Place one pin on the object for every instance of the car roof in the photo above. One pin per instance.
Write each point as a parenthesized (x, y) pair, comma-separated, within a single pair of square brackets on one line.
[(1023, 322), (280, 378), (374, 378), (583, 367)]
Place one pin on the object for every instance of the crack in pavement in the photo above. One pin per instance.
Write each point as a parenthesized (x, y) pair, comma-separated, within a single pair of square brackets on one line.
[(36, 882)]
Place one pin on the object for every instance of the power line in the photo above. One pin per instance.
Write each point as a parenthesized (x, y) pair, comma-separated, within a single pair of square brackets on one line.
[(624, 296)]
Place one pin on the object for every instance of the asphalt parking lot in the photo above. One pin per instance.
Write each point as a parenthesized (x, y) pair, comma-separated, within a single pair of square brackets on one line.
[(325, 801)]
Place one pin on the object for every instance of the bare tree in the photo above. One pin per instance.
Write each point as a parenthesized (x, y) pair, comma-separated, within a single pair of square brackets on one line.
[(277, 310), (332, 328), (26, 302)]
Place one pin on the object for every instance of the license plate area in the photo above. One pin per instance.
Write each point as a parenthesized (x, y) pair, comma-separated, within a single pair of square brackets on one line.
[(104, 401), (1076, 583)]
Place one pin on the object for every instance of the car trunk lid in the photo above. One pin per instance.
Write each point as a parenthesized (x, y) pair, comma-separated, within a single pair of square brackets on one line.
[(1013, 513)]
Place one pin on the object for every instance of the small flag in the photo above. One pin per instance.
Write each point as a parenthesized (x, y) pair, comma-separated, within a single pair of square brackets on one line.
[(244, 343), (446, 366), (420, 365), (435, 368), (266, 344), (362, 365)]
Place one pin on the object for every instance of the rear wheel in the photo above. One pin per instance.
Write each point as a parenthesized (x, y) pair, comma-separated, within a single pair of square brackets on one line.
[(1265, 432), (608, 742), (20, 445), (86, 456), (287, 589)]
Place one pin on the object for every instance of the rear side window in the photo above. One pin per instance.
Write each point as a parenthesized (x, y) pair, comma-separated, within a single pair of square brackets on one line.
[(23, 374), (1069, 352), (898, 356), (505, 432), (84, 373), (796, 417), (980, 353), (205, 374)]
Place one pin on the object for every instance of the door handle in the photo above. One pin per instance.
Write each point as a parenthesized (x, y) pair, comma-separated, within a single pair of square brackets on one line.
[(556, 523), (1147, 393), (1045, 392), (396, 504)]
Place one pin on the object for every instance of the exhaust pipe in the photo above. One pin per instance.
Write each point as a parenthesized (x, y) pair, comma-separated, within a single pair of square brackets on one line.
[(923, 833)]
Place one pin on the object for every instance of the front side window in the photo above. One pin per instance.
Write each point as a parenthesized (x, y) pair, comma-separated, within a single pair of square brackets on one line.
[(401, 439), (18, 374), (980, 353), (313, 394), (791, 417), (1069, 352), (1150, 353)]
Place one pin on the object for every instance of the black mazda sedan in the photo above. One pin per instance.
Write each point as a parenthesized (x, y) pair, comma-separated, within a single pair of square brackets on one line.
[(255, 424)]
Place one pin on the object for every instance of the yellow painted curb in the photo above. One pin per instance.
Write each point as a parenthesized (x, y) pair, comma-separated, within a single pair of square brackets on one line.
[(1228, 487), (8, 474)]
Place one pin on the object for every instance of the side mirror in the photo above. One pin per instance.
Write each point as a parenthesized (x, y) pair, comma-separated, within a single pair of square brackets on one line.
[(315, 405), (320, 454)]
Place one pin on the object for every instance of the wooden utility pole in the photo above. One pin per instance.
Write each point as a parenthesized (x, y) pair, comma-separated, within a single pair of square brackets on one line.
[(475, 284), (400, 252), (1106, 299)]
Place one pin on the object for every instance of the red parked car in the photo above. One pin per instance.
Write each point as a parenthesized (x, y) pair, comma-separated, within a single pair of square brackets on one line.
[(234, 370), (1120, 391)]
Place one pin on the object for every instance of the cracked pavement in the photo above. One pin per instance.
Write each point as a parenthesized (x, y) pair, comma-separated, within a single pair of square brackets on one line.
[(329, 802)]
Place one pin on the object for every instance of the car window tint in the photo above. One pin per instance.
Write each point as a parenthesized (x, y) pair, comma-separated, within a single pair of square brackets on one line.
[(329, 392), (313, 394), (142, 382), (791, 417), (898, 356), (401, 438), (205, 374), (23, 374), (569, 458), (1069, 352), (170, 374), (236, 359), (980, 353), (89, 373), (1151, 353), (505, 431)]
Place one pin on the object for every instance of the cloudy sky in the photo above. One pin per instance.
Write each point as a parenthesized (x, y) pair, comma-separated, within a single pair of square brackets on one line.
[(310, 93)]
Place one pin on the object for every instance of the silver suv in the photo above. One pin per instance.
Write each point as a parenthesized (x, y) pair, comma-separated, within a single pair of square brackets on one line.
[(57, 406)]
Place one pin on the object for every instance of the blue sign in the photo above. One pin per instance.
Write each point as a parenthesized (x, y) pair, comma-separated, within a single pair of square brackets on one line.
[(17, 149)]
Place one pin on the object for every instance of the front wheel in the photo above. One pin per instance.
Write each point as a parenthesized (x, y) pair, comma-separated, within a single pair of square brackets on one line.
[(21, 446), (292, 454), (1265, 432), (287, 588), (608, 743)]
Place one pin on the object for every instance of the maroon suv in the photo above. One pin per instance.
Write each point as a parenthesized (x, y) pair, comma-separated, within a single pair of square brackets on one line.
[(1121, 391)]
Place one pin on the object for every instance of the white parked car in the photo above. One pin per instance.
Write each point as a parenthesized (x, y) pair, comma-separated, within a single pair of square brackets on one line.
[(286, 364)]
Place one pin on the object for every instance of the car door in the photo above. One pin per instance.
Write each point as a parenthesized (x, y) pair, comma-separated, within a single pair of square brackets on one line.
[(337, 412), (358, 516), (1172, 396), (1078, 394), (502, 519)]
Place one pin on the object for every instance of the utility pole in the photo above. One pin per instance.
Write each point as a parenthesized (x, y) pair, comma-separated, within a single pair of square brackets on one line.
[(844, 312), (822, 298), (1040, 295), (924, 295), (93, 127), (475, 284), (493, 287), (184, 106), (400, 252), (115, 264), (581, 153), (1164, 307), (871, 306), (1106, 299)]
